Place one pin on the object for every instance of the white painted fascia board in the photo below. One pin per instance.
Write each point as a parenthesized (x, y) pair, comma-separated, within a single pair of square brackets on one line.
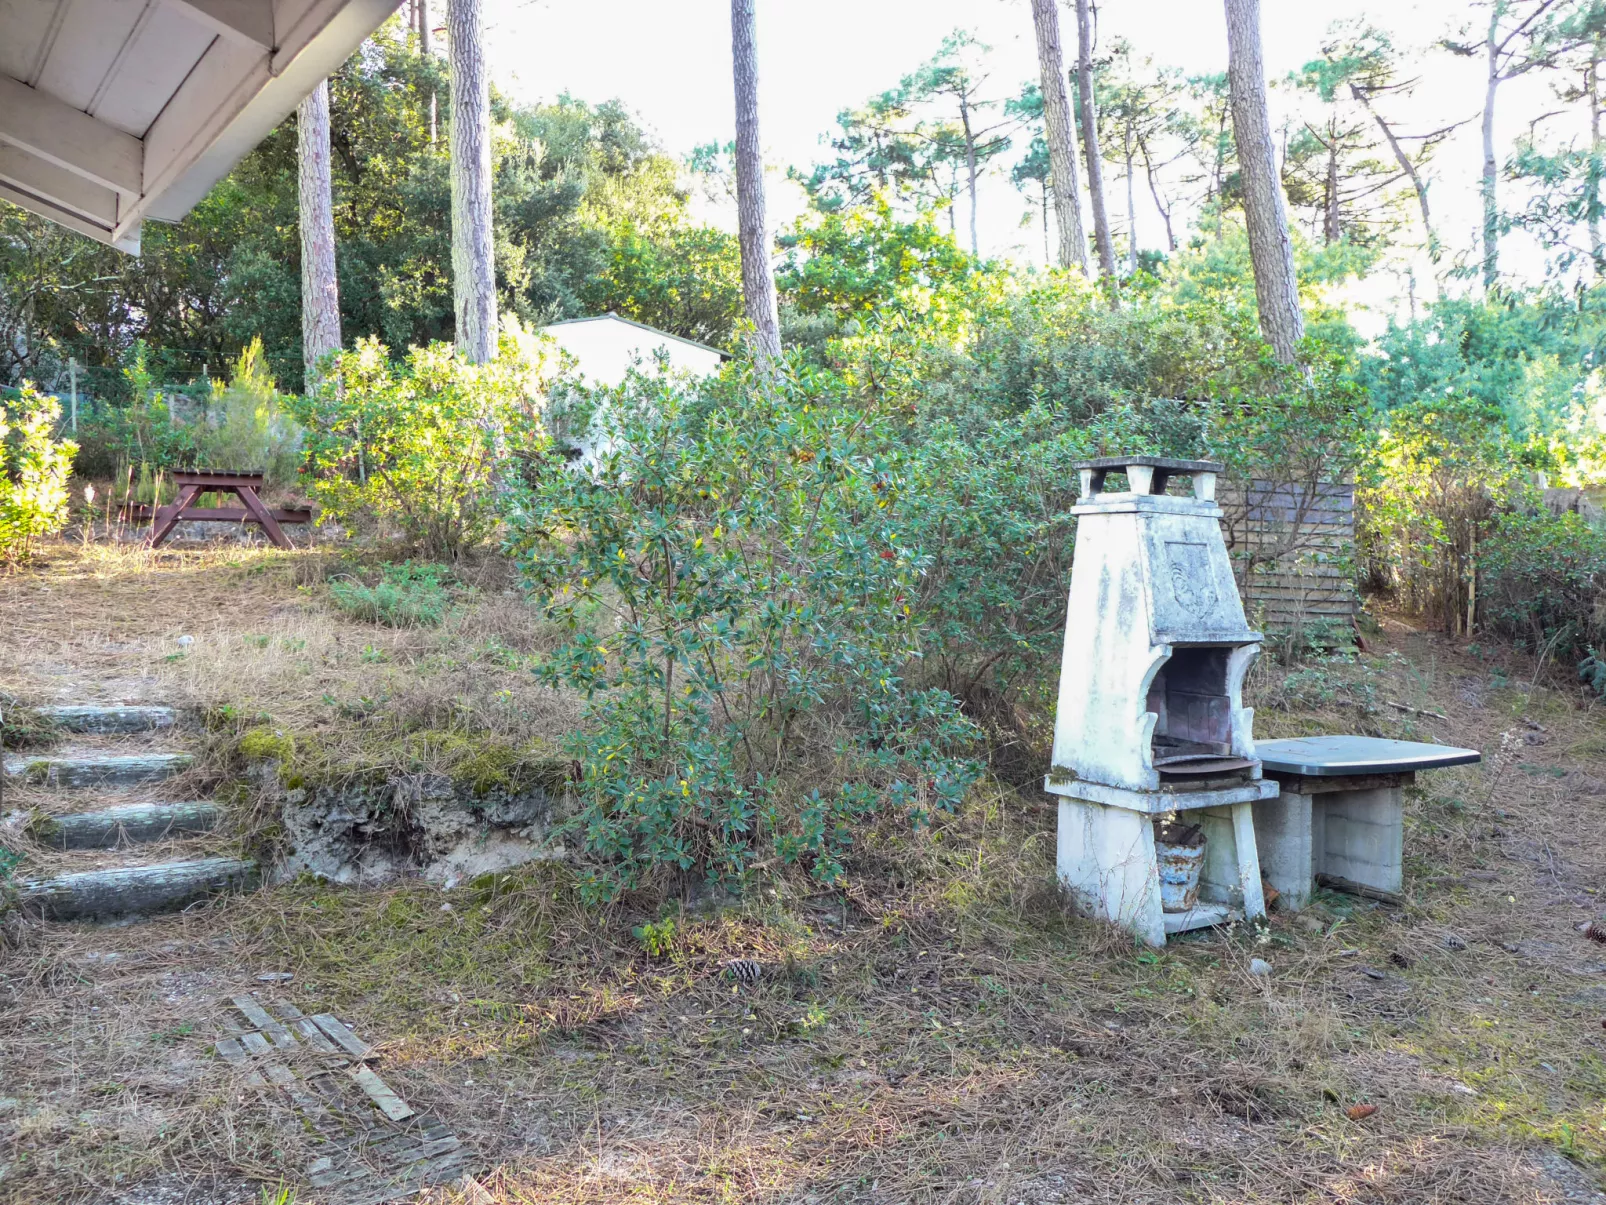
[(246, 22), (69, 138), (35, 176), (127, 241), (249, 107)]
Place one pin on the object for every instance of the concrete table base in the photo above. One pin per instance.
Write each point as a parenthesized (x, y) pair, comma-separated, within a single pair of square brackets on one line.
[(1349, 831), (1106, 856)]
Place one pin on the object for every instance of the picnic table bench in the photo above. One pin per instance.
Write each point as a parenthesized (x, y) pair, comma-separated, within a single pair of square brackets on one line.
[(192, 483)]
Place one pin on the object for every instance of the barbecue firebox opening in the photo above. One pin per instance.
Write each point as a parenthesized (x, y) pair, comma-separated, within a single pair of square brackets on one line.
[(1193, 714)]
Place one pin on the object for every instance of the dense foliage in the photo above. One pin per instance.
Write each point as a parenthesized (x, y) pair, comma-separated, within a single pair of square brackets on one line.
[(738, 595), (418, 446), (589, 217), (34, 467)]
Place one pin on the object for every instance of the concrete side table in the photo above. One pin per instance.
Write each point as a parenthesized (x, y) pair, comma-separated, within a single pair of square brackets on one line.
[(1340, 817)]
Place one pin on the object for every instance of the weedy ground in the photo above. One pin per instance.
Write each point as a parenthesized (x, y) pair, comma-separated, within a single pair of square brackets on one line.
[(940, 1029)]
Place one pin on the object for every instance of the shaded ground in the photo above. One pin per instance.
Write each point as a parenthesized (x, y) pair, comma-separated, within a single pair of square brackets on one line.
[(942, 1031)]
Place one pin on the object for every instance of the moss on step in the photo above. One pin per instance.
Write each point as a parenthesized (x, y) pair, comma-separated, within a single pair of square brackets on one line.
[(24, 728), (481, 765)]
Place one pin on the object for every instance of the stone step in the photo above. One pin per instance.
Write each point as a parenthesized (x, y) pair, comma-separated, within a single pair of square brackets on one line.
[(134, 823), (97, 770), (76, 717), (134, 890)]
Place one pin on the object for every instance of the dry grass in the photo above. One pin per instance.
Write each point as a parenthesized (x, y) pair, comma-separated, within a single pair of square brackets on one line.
[(940, 1031)]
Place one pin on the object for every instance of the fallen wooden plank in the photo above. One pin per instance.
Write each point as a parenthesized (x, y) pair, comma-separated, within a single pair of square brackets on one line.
[(263, 1020), (314, 1037), (391, 1105), (348, 1041), (1361, 889), (231, 1052)]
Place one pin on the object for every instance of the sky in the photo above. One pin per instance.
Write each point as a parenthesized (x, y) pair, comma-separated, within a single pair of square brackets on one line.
[(670, 63)]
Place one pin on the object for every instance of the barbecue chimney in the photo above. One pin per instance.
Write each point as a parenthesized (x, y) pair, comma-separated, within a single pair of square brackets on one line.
[(1151, 718)]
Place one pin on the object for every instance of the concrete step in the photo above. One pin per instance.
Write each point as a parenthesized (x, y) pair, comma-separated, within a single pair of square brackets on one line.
[(68, 769), (134, 890), (134, 823), (106, 720)]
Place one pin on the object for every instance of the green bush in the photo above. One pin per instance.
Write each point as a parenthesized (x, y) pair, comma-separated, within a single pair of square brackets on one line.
[(417, 445), (413, 595), (1542, 582), (34, 468), (1439, 472), (247, 425), (739, 596)]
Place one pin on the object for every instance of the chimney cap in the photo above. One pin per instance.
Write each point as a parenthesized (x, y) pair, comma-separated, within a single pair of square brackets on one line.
[(1152, 462)]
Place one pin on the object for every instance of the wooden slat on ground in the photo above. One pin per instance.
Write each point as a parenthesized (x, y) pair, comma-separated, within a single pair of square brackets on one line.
[(373, 1147)]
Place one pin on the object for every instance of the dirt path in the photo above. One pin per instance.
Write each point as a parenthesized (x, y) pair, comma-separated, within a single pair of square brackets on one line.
[(941, 1032)]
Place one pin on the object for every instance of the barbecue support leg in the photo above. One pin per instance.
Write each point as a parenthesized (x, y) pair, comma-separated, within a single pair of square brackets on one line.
[(1283, 837), (1106, 859)]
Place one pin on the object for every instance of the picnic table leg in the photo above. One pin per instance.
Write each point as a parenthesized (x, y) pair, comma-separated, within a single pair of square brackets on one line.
[(162, 526), (264, 516)]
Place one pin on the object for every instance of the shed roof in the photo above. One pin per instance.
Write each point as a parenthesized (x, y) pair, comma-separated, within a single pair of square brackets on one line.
[(640, 326), (115, 111)]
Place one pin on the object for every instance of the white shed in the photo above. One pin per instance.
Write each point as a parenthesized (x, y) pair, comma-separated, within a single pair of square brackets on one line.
[(114, 111), (607, 348)]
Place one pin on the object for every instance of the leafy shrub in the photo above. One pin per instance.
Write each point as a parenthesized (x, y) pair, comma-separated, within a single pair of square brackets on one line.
[(738, 593), (34, 468), (416, 445), (1542, 581), (657, 938), (991, 516), (247, 424), (413, 595), (1439, 472)]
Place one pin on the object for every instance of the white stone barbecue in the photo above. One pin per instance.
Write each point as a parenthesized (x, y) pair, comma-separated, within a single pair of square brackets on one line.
[(1150, 718)]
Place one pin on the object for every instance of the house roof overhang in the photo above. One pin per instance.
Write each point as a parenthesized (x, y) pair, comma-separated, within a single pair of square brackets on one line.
[(117, 111)]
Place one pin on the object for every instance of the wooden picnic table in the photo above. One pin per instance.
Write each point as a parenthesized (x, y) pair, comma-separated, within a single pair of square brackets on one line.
[(192, 483)]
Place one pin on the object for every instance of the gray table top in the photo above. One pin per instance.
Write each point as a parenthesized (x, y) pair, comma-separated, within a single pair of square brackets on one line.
[(1336, 756)]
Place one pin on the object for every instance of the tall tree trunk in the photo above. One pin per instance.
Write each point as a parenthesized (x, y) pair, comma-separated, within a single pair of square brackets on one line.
[(473, 256), (320, 289), (1331, 229), (426, 37), (1592, 206), (1057, 133), (970, 172), (1131, 212), (1271, 250), (758, 276), (1491, 206), (1090, 137), (1408, 167)]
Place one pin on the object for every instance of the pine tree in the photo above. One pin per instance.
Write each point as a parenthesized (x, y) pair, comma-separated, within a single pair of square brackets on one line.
[(1271, 250), (758, 274), (473, 256), (320, 289)]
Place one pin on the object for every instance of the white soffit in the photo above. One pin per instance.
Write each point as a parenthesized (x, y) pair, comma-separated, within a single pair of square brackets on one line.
[(114, 111)]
